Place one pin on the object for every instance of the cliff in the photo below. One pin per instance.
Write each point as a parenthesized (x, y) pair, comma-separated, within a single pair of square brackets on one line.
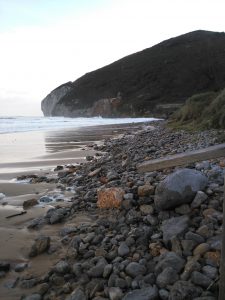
[(154, 81)]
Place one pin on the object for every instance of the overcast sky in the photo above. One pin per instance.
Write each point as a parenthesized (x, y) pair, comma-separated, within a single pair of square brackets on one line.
[(44, 43)]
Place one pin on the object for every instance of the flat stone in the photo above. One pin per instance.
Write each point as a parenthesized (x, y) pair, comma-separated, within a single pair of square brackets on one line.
[(167, 277), (145, 190), (149, 293), (200, 198), (146, 209), (175, 226)]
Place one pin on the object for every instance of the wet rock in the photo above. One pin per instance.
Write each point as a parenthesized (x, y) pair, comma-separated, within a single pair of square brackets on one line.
[(149, 293), (110, 197), (174, 227), (29, 203), (41, 244), (45, 199), (179, 188), (4, 266), (20, 267)]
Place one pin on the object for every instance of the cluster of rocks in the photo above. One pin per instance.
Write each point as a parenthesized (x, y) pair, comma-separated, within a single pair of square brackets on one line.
[(160, 236)]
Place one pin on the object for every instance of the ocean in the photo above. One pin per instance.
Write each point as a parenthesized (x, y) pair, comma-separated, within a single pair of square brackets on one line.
[(26, 124)]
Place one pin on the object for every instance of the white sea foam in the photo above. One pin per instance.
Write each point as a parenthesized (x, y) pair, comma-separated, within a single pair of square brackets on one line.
[(24, 124)]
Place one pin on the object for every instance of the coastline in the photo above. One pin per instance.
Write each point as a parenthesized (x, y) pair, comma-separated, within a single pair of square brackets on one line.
[(123, 148)]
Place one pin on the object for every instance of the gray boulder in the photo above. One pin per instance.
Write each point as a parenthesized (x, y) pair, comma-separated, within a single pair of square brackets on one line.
[(179, 188), (149, 293)]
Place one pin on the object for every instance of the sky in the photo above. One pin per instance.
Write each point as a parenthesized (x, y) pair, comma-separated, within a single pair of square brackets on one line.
[(45, 43)]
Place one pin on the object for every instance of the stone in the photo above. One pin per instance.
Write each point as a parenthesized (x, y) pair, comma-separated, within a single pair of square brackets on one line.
[(200, 198), (163, 294), (167, 277), (110, 197), (45, 199), (115, 293), (62, 267), (20, 267), (191, 265), (145, 190), (170, 259), (212, 258), (77, 294), (195, 237), (175, 226), (95, 172), (29, 203), (33, 297), (200, 279), (210, 272), (40, 245), (146, 209), (149, 293), (4, 266), (134, 269), (107, 270), (184, 209), (56, 217), (98, 269), (2, 196), (179, 188), (184, 290), (201, 249), (123, 249)]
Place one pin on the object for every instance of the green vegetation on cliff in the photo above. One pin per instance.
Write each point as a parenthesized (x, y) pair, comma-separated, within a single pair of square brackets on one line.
[(201, 111)]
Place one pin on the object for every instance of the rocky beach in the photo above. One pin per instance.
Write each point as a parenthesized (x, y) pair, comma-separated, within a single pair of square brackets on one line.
[(101, 230)]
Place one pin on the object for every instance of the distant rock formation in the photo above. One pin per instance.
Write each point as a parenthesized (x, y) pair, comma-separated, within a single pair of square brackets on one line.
[(154, 81)]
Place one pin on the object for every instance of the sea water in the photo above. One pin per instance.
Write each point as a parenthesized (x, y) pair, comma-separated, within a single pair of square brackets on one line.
[(24, 124)]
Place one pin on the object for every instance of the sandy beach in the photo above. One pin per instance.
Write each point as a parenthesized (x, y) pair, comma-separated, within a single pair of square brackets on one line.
[(39, 153)]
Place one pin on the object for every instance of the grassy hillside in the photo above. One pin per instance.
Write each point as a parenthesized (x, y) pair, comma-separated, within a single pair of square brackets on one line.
[(201, 111)]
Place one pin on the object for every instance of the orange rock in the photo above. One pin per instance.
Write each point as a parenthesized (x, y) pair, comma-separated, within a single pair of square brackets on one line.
[(110, 197)]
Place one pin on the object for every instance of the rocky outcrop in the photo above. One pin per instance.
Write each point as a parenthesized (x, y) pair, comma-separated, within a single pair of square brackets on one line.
[(50, 102), (154, 81)]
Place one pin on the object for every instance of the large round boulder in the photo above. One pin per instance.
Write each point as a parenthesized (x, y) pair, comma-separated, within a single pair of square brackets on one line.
[(179, 188)]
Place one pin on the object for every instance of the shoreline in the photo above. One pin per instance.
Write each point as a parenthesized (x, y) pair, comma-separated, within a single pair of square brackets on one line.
[(77, 185)]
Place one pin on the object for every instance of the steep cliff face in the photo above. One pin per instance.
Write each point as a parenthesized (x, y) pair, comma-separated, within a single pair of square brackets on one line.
[(165, 74)]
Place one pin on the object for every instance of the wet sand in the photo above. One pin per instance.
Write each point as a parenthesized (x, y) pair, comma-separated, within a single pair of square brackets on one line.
[(38, 153)]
